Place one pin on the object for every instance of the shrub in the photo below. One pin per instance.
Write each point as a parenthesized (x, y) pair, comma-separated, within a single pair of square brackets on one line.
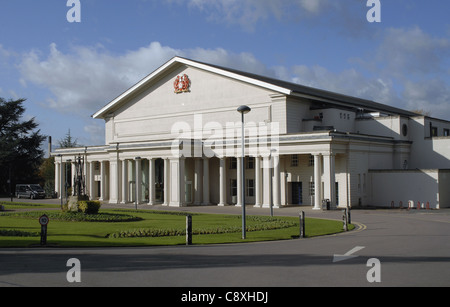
[(89, 206), (17, 233)]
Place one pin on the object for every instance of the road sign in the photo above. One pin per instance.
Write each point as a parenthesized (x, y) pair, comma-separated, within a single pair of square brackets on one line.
[(43, 220)]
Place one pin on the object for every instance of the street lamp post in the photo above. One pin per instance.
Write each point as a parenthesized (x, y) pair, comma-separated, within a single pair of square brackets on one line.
[(243, 110)]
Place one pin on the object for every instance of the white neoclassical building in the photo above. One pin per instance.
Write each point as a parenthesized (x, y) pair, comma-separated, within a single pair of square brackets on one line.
[(174, 139)]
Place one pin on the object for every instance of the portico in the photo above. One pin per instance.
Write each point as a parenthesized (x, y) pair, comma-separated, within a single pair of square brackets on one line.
[(271, 180)]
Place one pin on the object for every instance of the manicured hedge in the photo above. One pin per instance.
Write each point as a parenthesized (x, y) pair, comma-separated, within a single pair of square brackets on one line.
[(89, 206), (75, 216), (262, 223)]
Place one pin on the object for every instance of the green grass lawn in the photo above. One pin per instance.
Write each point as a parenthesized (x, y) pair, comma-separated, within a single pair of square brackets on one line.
[(120, 227)]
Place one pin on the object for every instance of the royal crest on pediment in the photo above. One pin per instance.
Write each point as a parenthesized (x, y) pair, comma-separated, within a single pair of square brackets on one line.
[(182, 84)]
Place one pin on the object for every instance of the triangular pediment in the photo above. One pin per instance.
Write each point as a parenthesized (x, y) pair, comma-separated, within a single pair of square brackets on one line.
[(177, 67), (186, 93)]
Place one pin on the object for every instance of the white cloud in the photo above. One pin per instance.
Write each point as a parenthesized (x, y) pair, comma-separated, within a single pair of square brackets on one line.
[(94, 133), (407, 70), (428, 95), (86, 79), (248, 13), (412, 51)]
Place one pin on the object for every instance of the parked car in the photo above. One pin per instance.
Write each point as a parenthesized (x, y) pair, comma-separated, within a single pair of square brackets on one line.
[(29, 191)]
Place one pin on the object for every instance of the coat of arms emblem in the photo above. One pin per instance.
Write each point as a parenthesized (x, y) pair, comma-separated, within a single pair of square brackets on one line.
[(182, 84)]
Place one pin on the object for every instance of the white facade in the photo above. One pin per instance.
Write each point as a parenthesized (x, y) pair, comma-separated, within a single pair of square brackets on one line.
[(302, 145)]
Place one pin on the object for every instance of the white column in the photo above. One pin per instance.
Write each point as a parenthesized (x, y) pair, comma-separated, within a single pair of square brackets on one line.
[(103, 180), (151, 184), (177, 182), (87, 176), (317, 181), (329, 178), (124, 181), (114, 182), (166, 182), (258, 181), (222, 182), (267, 178), (138, 180), (117, 181), (276, 182), (73, 173), (91, 180), (197, 181), (239, 181), (205, 181), (58, 179)]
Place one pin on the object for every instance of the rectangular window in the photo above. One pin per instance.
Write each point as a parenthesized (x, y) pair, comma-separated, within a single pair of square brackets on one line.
[(311, 189), (359, 183), (311, 160), (434, 131), (233, 163), (233, 187), (337, 193), (250, 185), (294, 160), (364, 183), (250, 163)]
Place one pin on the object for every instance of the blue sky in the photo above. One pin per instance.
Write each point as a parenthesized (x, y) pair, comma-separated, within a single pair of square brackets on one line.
[(67, 71)]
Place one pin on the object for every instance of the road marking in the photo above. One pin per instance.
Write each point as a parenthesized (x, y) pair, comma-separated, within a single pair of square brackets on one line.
[(347, 255)]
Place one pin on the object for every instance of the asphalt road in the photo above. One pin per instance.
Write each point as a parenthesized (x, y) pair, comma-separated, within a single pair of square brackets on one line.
[(412, 249)]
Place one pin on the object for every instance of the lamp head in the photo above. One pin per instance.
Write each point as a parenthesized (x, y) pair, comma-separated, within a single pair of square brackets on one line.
[(244, 109)]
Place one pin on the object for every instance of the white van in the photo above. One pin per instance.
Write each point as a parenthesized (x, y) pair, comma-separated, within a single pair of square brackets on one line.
[(29, 191)]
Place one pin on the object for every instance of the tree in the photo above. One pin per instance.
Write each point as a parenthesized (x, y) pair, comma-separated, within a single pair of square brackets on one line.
[(47, 175), (422, 112), (68, 141), (20, 146)]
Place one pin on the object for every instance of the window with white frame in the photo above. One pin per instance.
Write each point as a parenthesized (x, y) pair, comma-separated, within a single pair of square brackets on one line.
[(233, 187), (311, 188), (311, 160), (233, 163), (250, 163), (250, 186), (294, 160)]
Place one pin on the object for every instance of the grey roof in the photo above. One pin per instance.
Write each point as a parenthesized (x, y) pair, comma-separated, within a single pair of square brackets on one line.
[(349, 101)]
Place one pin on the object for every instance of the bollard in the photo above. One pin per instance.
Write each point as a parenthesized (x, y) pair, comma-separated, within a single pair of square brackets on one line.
[(344, 219), (188, 230), (302, 225)]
